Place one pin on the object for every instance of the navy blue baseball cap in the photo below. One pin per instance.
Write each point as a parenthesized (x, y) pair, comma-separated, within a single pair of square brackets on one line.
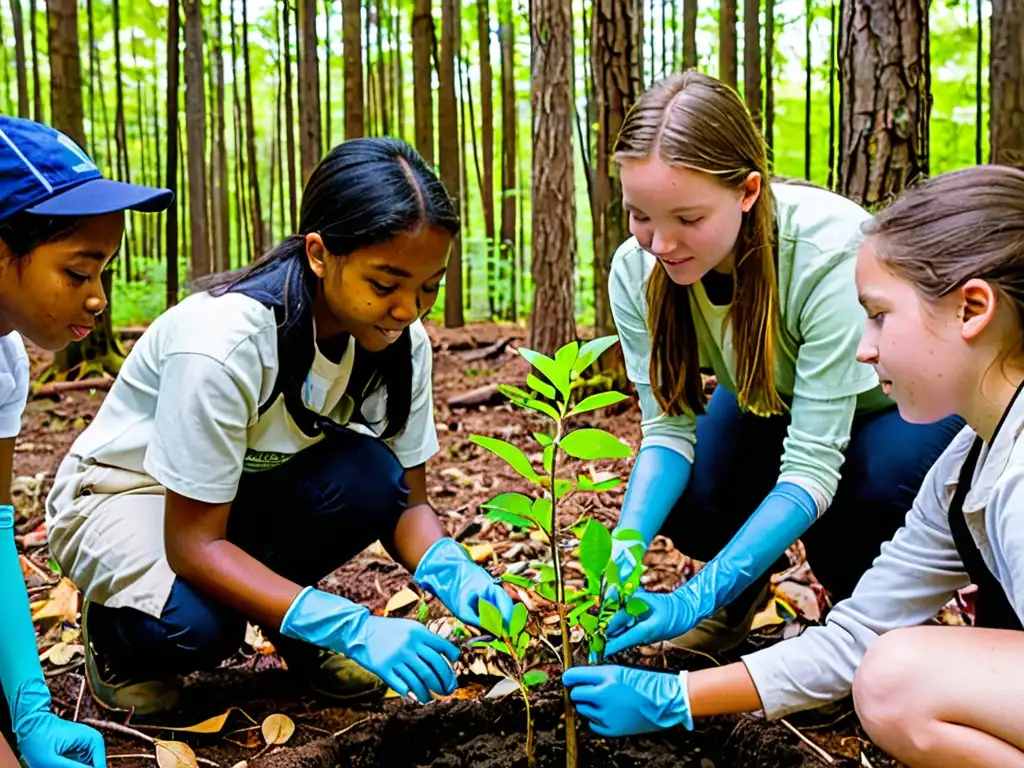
[(44, 172)]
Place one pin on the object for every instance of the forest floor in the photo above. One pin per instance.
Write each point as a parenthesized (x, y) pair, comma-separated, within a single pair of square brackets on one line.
[(466, 729)]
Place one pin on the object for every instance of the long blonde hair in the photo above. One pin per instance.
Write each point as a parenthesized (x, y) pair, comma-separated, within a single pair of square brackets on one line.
[(694, 121)]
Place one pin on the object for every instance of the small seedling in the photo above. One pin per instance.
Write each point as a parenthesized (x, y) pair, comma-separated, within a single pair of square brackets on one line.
[(606, 590)]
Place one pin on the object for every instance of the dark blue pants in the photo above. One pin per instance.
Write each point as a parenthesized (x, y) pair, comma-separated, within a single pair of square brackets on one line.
[(737, 464), (302, 519)]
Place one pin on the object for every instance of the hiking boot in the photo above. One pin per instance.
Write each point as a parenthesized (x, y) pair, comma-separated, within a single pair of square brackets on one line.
[(327, 673), (725, 629), (113, 690)]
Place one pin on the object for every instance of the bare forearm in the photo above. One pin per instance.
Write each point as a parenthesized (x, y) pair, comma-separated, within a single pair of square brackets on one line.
[(417, 530), (722, 691), (240, 581)]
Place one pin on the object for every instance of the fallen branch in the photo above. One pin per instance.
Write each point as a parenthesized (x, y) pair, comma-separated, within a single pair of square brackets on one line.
[(485, 395), (124, 730), (348, 728), (488, 352), (60, 387), (818, 750)]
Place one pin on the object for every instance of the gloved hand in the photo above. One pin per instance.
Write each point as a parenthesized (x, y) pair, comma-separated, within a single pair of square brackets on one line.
[(658, 479), (780, 520), (403, 653), (448, 573), (621, 701), (43, 738)]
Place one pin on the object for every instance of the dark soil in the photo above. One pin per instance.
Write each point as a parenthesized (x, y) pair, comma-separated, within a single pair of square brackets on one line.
[(464, 730)]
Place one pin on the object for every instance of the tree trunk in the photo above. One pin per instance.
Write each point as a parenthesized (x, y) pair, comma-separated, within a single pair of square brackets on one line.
[(245, 249), (195, 130), (752, 59), (727, 42), (258, 246), (310, 144), (423, 96), (173, 81), (808, 84), (219, 159), (1006, 75), (99, 351), (832, 97), (120, 127), (382, 73), (398, 89), (690, 11), (508, 153), (884, 97), (353, 53), (487, 141), (19, 58), (553, 192), (289, 116), (327, 77), (450, 154), (616, 85), (769, 75), (37, 86), (93, 66)]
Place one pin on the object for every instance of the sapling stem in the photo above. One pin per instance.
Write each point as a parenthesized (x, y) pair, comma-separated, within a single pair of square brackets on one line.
[(571, 753)]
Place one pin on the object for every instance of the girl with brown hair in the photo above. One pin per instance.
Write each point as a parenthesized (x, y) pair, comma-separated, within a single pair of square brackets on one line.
[(754, 281), (941, 276)]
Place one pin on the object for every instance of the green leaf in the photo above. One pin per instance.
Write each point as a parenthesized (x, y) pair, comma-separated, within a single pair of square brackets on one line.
[(600, 400), (554, 373), (512, 455), (519, 581), (611, 573), (545, 389), (562, 487), (541, 512), (513, 521), (543, 438), (546, 590), (500, 646), (542, 407), (518, 623), (548, 457), (515, 394), (576, 613), (535, 677), (593, 350), (591, 443), (589, 623), (595, 550), (628, 534), (547, 574), (584, 483), (422, 612), (597, 643), (566, 356), (607, 485), (490, 618), (637, 607), (522, 644)]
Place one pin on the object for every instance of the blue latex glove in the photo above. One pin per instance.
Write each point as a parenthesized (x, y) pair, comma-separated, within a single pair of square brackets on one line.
[(658, 479), (780, 520), (447, 572), (621, 701), (403, 653), (44, 740)]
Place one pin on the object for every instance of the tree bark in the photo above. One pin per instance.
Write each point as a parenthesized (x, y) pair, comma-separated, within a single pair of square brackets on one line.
[(310, 144), (353, 52), (508, 153), (195, 130), (289, 117), (487, 141), (219, 158), (450, 155), (884, 97), (616, 86), (173, 80), (20, 64), (1006, 78), (553, 188), (727, 42), (769, 77), (689, 33), (382, 73), (258, 245), (752, 60), (37, 86)]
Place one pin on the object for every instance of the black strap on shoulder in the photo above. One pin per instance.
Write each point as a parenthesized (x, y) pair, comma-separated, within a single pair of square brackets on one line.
[(992, 607)]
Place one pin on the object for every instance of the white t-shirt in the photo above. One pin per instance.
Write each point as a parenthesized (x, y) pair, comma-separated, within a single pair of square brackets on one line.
[(185, 407), (14, 378)]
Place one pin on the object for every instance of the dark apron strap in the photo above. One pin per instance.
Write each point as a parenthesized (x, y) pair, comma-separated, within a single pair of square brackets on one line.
[(992, 608)]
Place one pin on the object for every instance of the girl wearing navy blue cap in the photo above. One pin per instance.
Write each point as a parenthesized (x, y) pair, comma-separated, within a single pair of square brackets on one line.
[(259, 435), (61, 223)]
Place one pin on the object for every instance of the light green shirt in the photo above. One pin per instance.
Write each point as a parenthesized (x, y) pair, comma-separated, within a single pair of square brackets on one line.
[(815, 361)]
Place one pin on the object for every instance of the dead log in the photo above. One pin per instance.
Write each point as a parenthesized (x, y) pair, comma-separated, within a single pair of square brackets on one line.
[(486, 395)]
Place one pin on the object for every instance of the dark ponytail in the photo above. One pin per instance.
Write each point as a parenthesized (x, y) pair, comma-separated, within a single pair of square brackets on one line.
[(365, 192)]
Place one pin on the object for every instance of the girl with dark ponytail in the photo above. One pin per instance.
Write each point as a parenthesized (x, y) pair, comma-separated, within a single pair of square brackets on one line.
[(260, 434)]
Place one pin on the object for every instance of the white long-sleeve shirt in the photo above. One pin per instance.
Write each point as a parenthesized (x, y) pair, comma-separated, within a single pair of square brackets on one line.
[(917, 572)]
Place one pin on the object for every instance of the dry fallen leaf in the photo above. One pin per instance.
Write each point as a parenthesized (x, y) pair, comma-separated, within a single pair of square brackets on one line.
[(212, 725), (62, 603), (62, 653), (254, 638), (277, 729), (480, 552), (241, 764), (502, 689), (401, 599), (766, 617), (175, 754), (802, 598)]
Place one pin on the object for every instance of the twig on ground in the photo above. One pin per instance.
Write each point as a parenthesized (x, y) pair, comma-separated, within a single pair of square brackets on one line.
[(78, 705), (60, 387), (818, 750), (121, 730), (144, 756), (348, 728)]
